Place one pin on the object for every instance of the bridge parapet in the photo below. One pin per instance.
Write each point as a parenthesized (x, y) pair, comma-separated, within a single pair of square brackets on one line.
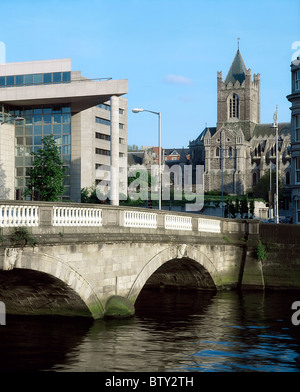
[(67, 215)]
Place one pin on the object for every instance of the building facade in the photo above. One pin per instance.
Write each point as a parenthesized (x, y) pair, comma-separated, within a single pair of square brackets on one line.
[(239, 150), (83, 115), (294, 98)]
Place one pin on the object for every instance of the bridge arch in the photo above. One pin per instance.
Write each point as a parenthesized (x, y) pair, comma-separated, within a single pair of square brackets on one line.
[(56, 267), (186, 256)]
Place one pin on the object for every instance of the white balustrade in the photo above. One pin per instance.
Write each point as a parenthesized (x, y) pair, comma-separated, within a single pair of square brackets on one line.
[(209, 225), (72, 216), (175, 222), (15, 216), (140, 219)]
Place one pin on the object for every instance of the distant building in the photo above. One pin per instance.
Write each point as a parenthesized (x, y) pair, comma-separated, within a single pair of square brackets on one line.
[(53, 99), (294, 98), (239, 150)]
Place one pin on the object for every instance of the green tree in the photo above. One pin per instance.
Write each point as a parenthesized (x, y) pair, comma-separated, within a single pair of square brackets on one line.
[(47, 173), (261, 189)]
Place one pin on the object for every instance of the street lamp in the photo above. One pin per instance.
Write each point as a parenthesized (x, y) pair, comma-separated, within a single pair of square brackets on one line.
[(275, 125), (138, 110)]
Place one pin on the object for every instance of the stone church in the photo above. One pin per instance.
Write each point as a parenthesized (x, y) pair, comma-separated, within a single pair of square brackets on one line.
[(240, 150)]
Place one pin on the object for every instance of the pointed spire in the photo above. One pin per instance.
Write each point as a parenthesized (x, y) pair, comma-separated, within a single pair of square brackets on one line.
[(237, 70)]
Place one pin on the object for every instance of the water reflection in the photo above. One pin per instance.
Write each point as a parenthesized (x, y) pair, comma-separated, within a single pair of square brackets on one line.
[(175, 331)]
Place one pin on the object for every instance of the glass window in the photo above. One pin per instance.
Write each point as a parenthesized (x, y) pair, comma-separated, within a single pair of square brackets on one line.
[(66, 117), (57, 77), (47, 78), (297, 167), (38, 78), (57, 129), (47, 118), (38, 140), (66, 128), (297, 128), (297, 80), (38, 130), (47, 110), (47, 129), (2, 80), (66, 109), (10, 80), (56, 118), (19, 79), (28, 79), (38, 119), (67, 139), (66, 76)]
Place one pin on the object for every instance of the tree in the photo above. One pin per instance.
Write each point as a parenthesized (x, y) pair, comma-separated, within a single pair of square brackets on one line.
[(261, 189), (47, 173)]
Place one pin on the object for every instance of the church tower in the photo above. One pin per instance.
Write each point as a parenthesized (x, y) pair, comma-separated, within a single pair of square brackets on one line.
[(238, 98)]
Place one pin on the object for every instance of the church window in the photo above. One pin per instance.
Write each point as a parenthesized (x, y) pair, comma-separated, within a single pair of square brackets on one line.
[(217, 152), (234, 106), (254, 179), (230, 152), (297, 128), (287, 178)]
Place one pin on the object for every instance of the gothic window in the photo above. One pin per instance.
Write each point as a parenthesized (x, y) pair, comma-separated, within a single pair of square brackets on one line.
[(254, 179), (287, 178), (230, 152), (217, 152), (297, 128), (234, 104)]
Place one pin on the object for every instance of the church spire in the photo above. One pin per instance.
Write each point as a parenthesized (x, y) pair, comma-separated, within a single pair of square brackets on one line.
[(237, 70)]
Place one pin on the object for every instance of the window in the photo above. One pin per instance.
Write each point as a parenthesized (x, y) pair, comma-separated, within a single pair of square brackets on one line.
[(101, 151), (100, 120), (297, 80), (234, 106), (297, 128), (297, 170), (298, 210), (102, 136)]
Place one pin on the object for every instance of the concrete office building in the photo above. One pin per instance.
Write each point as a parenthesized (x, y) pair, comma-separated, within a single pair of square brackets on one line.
[(87, 117)]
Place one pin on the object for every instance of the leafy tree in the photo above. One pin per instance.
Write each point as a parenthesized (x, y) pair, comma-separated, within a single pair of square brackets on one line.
[(261, 189), (47, 173)]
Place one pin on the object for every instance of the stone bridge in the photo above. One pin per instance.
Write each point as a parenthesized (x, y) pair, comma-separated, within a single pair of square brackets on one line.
[(94, 260)]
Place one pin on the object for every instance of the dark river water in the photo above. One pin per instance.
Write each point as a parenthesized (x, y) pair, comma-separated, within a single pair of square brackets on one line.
[(171, 332)]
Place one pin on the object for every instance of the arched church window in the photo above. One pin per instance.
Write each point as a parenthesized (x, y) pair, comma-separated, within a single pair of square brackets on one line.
[(287, 178), (230, 152), (217, 152), (254, 179), (234, 104)]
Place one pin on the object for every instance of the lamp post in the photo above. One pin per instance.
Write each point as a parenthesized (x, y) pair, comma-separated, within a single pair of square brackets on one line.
[(138, 110), (275, 125)]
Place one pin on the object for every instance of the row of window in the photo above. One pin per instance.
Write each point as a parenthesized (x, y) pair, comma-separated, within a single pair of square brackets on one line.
[(103, 121), (107, 107), (33, 79), (102, 151), (103, 136)]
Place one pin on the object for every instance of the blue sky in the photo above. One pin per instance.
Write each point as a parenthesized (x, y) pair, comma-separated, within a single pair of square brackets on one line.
[(169, 50)]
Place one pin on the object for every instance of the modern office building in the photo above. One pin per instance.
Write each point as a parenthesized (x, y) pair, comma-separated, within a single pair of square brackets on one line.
[(294, 98), (88, 118)]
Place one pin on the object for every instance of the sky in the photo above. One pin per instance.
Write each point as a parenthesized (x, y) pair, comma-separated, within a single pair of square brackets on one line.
[(169, 50)]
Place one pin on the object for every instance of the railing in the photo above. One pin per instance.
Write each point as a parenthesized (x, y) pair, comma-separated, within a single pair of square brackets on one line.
[(14, 216), (43, 214), (209, 225), (140, 219), (176, 222), (71, 216)]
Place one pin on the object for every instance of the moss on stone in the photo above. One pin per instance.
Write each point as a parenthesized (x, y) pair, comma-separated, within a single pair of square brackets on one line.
[(119, 307)]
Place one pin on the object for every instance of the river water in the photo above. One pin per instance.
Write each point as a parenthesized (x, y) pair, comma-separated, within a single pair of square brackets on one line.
[(171, 332)]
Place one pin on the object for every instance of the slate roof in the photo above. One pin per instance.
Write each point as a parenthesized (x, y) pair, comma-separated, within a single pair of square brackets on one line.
[(237, 70), (266, 130)]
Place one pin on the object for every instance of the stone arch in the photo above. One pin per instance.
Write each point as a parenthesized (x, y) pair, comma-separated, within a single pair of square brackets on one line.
[(61, 270), (171, 253)]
